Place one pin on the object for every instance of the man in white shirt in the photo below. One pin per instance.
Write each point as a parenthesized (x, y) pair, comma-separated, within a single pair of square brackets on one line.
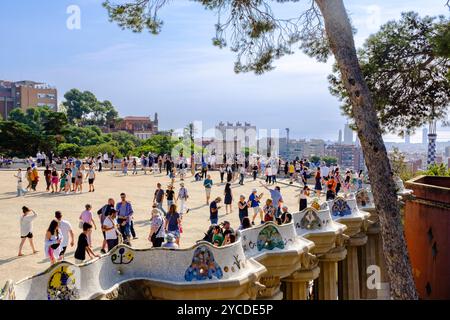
[(324, 170), (66, 229), (105, 158)]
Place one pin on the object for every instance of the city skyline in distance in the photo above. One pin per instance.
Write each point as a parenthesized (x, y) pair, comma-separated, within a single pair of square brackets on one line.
[(179, 74)]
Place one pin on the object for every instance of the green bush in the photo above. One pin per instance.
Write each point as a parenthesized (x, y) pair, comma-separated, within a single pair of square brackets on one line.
[(68, 150), (93, 151)]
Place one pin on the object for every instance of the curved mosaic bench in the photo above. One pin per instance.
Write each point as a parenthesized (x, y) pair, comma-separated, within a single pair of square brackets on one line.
[(200, 272), (346, 211), (280, 250), (319, 227)]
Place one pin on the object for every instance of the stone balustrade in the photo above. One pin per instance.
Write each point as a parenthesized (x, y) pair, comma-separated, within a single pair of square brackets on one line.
[(194, 273), (330, 248)]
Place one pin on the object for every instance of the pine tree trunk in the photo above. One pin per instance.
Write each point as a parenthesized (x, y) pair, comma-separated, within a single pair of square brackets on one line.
[(340, 37)]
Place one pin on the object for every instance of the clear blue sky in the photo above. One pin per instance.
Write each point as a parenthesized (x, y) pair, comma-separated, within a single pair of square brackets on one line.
[(178, 73)]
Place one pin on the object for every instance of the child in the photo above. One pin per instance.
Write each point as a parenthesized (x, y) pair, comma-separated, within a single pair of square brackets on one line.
[(20, 190)]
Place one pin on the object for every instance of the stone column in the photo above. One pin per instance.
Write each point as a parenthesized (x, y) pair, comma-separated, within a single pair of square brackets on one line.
[(296, 285), (350, 270), (328, 277), (366, 258), (272, 288)]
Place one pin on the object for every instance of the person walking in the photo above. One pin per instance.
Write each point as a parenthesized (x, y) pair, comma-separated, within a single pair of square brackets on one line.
[(54, 180), (291, 173), (318, 185), (53, 239), (109, 228), (255, 201), (134, 165), (229, 174), (208, 183), (34, 177), (79, 180), (91, 178), (243, 208), (26, 229), (86, 217), (182, 197), (304, 194), (277, 198), (170, 196), (67, 234), (228, 198), (19, 176), (157, 230), (338, 179), (124, 219), (48, 177), (255, 172), (103, 213), (173, 223), (222, 173), (360, 180), (158, 197), (242, 175), (83, 246), (214, 211)]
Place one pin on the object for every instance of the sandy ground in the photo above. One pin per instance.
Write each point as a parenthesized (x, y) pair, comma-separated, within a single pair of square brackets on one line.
[(139, 190)]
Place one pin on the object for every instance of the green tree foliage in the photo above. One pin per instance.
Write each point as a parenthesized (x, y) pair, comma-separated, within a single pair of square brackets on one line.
[(404, 72), (68, 150), (399, 166), (83, 108), (45, 126), (18, 139), (314, 159), (158, 144), (330, 161), (95, 150), (436, 170)]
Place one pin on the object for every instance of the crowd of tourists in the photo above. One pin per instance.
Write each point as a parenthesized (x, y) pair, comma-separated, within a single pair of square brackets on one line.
[(170, 204)]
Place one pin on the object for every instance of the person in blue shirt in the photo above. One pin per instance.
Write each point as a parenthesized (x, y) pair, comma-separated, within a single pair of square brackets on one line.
[(255, 200), (208, 183), (214, 211), (124, 217), (277, 198)]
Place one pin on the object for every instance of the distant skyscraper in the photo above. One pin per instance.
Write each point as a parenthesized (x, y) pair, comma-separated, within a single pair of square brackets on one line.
[(340, 137), (424, 136), (407, 139), (348, 134)]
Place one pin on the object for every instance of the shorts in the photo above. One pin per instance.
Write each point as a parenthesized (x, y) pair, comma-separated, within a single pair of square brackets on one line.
[(104, 235), (91, 181), (175, 233), (63, 251), (73, 180), (256, 210), (55, 180), (29, 236), (208, 192)]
